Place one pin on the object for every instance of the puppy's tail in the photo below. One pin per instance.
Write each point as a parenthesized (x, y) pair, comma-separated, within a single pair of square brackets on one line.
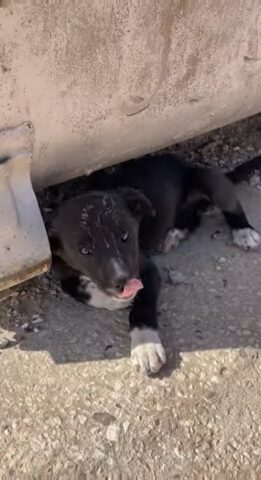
[(244, 171)]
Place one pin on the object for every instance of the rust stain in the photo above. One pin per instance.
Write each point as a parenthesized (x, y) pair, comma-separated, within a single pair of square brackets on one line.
[(12, 279)]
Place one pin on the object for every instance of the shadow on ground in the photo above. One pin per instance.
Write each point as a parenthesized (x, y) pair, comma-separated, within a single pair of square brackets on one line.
[(216, 305)]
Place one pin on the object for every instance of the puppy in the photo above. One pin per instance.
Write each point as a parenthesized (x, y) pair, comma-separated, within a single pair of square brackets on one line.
[(104, 238)]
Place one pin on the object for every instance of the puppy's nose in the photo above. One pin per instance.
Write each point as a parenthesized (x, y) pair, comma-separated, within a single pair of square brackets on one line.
[(119, 276), (119, 283)]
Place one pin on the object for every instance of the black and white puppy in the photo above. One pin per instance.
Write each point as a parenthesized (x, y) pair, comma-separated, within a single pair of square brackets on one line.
[(103, 238)]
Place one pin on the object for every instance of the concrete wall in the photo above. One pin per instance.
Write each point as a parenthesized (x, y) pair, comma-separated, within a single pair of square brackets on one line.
[(105, 80)]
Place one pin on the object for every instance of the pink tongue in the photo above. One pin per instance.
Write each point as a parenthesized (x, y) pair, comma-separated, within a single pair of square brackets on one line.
[(131, 288)]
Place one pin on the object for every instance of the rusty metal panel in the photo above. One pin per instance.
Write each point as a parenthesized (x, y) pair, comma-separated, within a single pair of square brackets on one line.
[(24, 246)]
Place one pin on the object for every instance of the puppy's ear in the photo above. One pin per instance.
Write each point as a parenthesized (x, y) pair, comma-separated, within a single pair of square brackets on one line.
[(139, 205)]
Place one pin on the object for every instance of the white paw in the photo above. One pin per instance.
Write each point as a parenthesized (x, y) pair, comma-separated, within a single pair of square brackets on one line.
[(173, 238), (147, 352), (246, 238)]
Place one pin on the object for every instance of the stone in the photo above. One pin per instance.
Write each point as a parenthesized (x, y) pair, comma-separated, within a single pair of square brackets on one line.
[(113, 433)]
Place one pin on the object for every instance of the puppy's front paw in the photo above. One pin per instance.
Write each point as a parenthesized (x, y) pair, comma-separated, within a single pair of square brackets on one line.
[(246, 238), (173, 239), (147, 352)]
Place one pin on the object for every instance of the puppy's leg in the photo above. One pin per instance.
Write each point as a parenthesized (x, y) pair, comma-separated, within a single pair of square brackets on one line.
[(173, 239), (187, 220), (244, 235), (147, 352), (222, 193)]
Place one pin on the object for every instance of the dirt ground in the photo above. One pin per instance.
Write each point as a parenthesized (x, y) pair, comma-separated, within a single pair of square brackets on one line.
[(73, 408)]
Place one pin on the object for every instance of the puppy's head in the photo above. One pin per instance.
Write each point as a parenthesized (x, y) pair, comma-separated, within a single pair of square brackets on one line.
[(97, 234)]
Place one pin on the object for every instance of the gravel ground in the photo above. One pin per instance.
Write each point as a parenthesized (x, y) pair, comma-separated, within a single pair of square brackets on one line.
[(71, 406)]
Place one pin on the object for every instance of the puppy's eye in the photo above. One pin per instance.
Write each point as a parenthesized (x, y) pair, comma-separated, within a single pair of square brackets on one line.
[(85, 251), (125, 236)]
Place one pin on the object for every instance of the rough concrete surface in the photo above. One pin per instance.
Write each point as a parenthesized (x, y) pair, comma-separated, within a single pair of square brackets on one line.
[(72, 406)]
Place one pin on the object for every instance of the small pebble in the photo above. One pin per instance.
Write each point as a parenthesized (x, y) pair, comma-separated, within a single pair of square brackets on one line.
[(82, 419), (4, 342), (175, 278), (222, 260), (246, 332), (232, 328), (216, 233), (37, 319), (104, 418), (25, 326), (113, 433)]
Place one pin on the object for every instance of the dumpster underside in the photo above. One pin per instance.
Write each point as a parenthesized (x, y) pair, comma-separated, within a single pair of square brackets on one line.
[(24, 246)]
